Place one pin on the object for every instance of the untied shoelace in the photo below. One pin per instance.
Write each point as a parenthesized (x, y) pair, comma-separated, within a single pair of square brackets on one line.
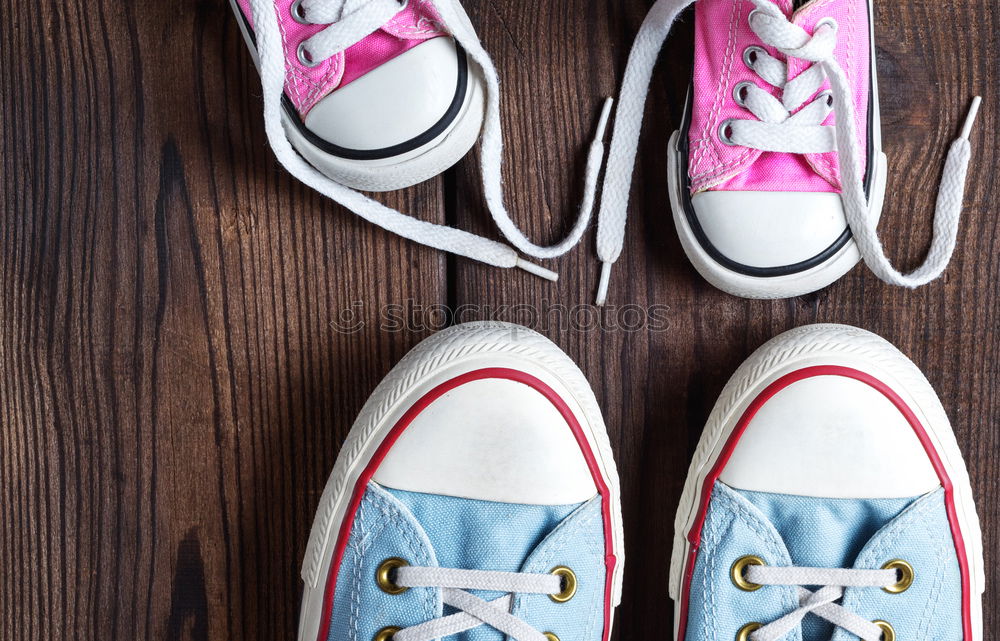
[(350, 21)]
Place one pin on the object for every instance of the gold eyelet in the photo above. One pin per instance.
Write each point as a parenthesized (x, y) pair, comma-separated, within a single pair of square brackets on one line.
[(888, 633), (568, 582), (551, 636), (906, 576), (747, 630), (736, 573), (385, 634), (383, 577)]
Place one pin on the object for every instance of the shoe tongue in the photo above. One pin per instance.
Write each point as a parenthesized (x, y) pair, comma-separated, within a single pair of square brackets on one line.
[(470, 534), (823, 532)]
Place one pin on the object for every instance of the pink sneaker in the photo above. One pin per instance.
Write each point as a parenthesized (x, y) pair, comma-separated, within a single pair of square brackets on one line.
[(378, 95), (777, 175)]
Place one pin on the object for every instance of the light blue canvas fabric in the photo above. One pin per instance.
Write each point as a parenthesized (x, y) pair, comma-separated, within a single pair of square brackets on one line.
[(791, 530), (433, 530), (824, 533)]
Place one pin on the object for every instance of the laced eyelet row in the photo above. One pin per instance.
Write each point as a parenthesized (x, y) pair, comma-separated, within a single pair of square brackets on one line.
[(385, 580), (750, 56), (737, 574), (888, 632)]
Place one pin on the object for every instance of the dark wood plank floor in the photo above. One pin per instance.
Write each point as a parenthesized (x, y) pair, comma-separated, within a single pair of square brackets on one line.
[(186, 333)]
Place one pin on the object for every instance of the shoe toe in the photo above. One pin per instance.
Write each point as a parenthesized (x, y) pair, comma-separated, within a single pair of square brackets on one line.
[(831, 436), (394, 104), (494, 440), (770, 231)]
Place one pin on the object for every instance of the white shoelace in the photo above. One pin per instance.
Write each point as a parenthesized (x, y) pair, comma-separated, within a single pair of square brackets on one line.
[(778, 130), (820, 603), (474, 611), (352, 21)]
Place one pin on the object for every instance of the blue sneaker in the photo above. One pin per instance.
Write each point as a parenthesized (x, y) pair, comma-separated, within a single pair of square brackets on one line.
[(827, 499), (475, 499)]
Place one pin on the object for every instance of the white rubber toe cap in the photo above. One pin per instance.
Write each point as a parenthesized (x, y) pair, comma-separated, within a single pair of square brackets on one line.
[(834, 437), (393, 104), (492, 440), (769, 229)]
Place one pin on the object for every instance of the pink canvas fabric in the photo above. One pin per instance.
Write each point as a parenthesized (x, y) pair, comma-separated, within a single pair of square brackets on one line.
[(722, 34), (306, 86)]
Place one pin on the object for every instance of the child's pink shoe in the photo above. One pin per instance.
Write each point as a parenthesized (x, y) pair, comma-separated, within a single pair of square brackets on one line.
[(754, 188), (377, 95), (777, 175)]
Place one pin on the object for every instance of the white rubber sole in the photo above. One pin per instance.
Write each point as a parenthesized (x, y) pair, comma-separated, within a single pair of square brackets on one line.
[(440, 358), (828, 345), (791, 285), (398, 172)]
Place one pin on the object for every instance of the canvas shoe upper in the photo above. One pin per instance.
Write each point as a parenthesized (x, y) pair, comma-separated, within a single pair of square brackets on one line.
[(827, 499), (381, 94), (777, 175), (757, 176), (475, 499)]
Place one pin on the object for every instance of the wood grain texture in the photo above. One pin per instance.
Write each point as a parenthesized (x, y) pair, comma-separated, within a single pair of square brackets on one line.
[(186, 333)]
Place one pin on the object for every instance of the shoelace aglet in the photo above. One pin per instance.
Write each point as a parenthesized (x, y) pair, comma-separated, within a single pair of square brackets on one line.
[(970, 120), (602, 123), (537, 270), (602, 286)]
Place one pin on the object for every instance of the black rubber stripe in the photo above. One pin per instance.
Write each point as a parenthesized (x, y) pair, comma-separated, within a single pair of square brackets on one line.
[(749, 270), (461, 88)]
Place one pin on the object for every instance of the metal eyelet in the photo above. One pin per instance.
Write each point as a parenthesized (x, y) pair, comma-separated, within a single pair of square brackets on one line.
[(551, 636), (305, 57), (738, 573), (828, 95), (888, 632), (568, 583), (750, 55), (298, 14), (905, 573), (726, 132), (386, 633), (741, 91), (827, 21), (383, 575), (747, 630), (750, 17)]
